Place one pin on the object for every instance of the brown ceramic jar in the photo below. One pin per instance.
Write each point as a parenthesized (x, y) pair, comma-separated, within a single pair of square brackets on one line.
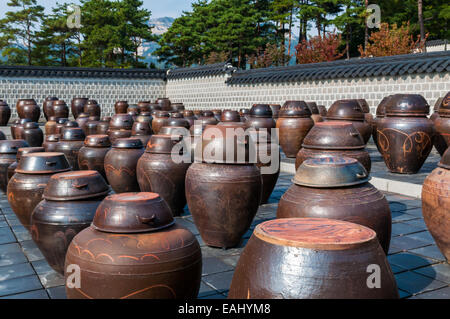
[(8, 153), (366, 110), (294, 122), (50, 142), (261, 117), (120, 107), (32, 134), (69, 203), (337, 188), (5, 113), (27, 185), (442, 126), (28, 109), (436, 203), (121, 122), (145, 256), (47, 106), (405, 135), (60, 109), (92, 108), (144, 106), (160, 119), (121, 162), (223, 193), (92, 155), (61, 123), (50, 126), (322, 110), (103, 125), (70, 144), (77, 105), (158, 173), (164, 103), (311, 258), (82, 119), (142, 130), (275, 110), (334, 138), (176, 119), (20, 152), (349, 110), (380, 113), (244, 114), (230, 116), (18, 128)]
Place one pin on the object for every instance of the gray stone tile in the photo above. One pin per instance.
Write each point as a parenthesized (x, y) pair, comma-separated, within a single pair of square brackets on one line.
[(3, 223), (430, 252), (18, 285), (419, 223), (35, 294), (215, 296), (409, 261), (415, 212), (6, 236), (205, 290), (11, 254), (16, 271), (424, 236), (403, 229), (415, 283), (213, 265), (440, 272), (31, 250), (220, 281), (57, 292), (443, 293), (403, 294), (401, 217), (397, 206), (406, 243)]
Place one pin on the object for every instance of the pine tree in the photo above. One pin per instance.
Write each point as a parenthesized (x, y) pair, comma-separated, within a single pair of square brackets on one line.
[(18, 31)]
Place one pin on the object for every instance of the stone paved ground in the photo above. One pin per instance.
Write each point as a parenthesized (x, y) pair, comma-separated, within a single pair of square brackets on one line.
[(419, 267)]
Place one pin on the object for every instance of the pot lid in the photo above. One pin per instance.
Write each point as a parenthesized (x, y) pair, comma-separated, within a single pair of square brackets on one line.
[(73, 134), (163, 144), (43, 163), (174, 130), (313, 107), (223, 145), (230, 116), (333, 171), (240, 124), (28, 150), (62, 120), (333, 135), (11, 146), (94, 118), (31, 125), (23, 121), (144, 117), (106, 119), (345, 110), (294, 109), (97, 140), (71, 124), (407, 105), (207, 113), (53, 138), (176, 115), (75, 185), (261, 110), (177, 122), (217, 112), (444, 108), (162, 114), (188, 113), (364, 105), (381, 108), (445, 160), (132, 213), (91, 124), (244, 112), (127, 142), (82, 115)]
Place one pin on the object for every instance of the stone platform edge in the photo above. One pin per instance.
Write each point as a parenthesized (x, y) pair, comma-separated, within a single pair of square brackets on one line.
[(382, 184)]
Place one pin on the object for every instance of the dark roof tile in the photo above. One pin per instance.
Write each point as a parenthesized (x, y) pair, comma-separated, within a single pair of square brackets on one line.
[(199, 71)]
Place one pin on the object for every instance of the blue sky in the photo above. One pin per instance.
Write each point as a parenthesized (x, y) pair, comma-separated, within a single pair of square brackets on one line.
[(159, 8)]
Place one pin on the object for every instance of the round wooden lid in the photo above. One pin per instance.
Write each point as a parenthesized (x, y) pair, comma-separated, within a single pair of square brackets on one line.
[(314, 233)]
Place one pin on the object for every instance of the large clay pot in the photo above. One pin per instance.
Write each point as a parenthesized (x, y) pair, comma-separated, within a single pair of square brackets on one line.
[(334, 138), (60, 109), (60, 124), (103, 125), (32, 134), (230, 116), (294, 122), (261, 118), (223, 193), (70, 144), (189, 116), (405, 135), (164, 103), (8, 153), (159, 120), (92, 155), (350, 110), (146, 256), (50, 142), (115, 134), (120, 107), (69, 203), (144, 106), (442, 126), (436, 203), (337, 188), (275, 110), (66, 125), (380, 113), (142, 130), (5, 113), (50, 126), (28, 109), (121, 162), (177, 107), (90, 128), (27, 185), (82, 119), (20, 152), (47, 106), (244, 114), (77, 105), (92, 108), (17, 128), (121, 122), (366, 110), (158, 173), (322, 110), (312, 258)]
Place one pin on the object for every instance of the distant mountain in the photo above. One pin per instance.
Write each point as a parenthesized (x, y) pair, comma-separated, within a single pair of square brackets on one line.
[(160, 26)]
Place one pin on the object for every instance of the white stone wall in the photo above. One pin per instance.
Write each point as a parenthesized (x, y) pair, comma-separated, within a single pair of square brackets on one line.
[(213, 92), (104, 91)]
